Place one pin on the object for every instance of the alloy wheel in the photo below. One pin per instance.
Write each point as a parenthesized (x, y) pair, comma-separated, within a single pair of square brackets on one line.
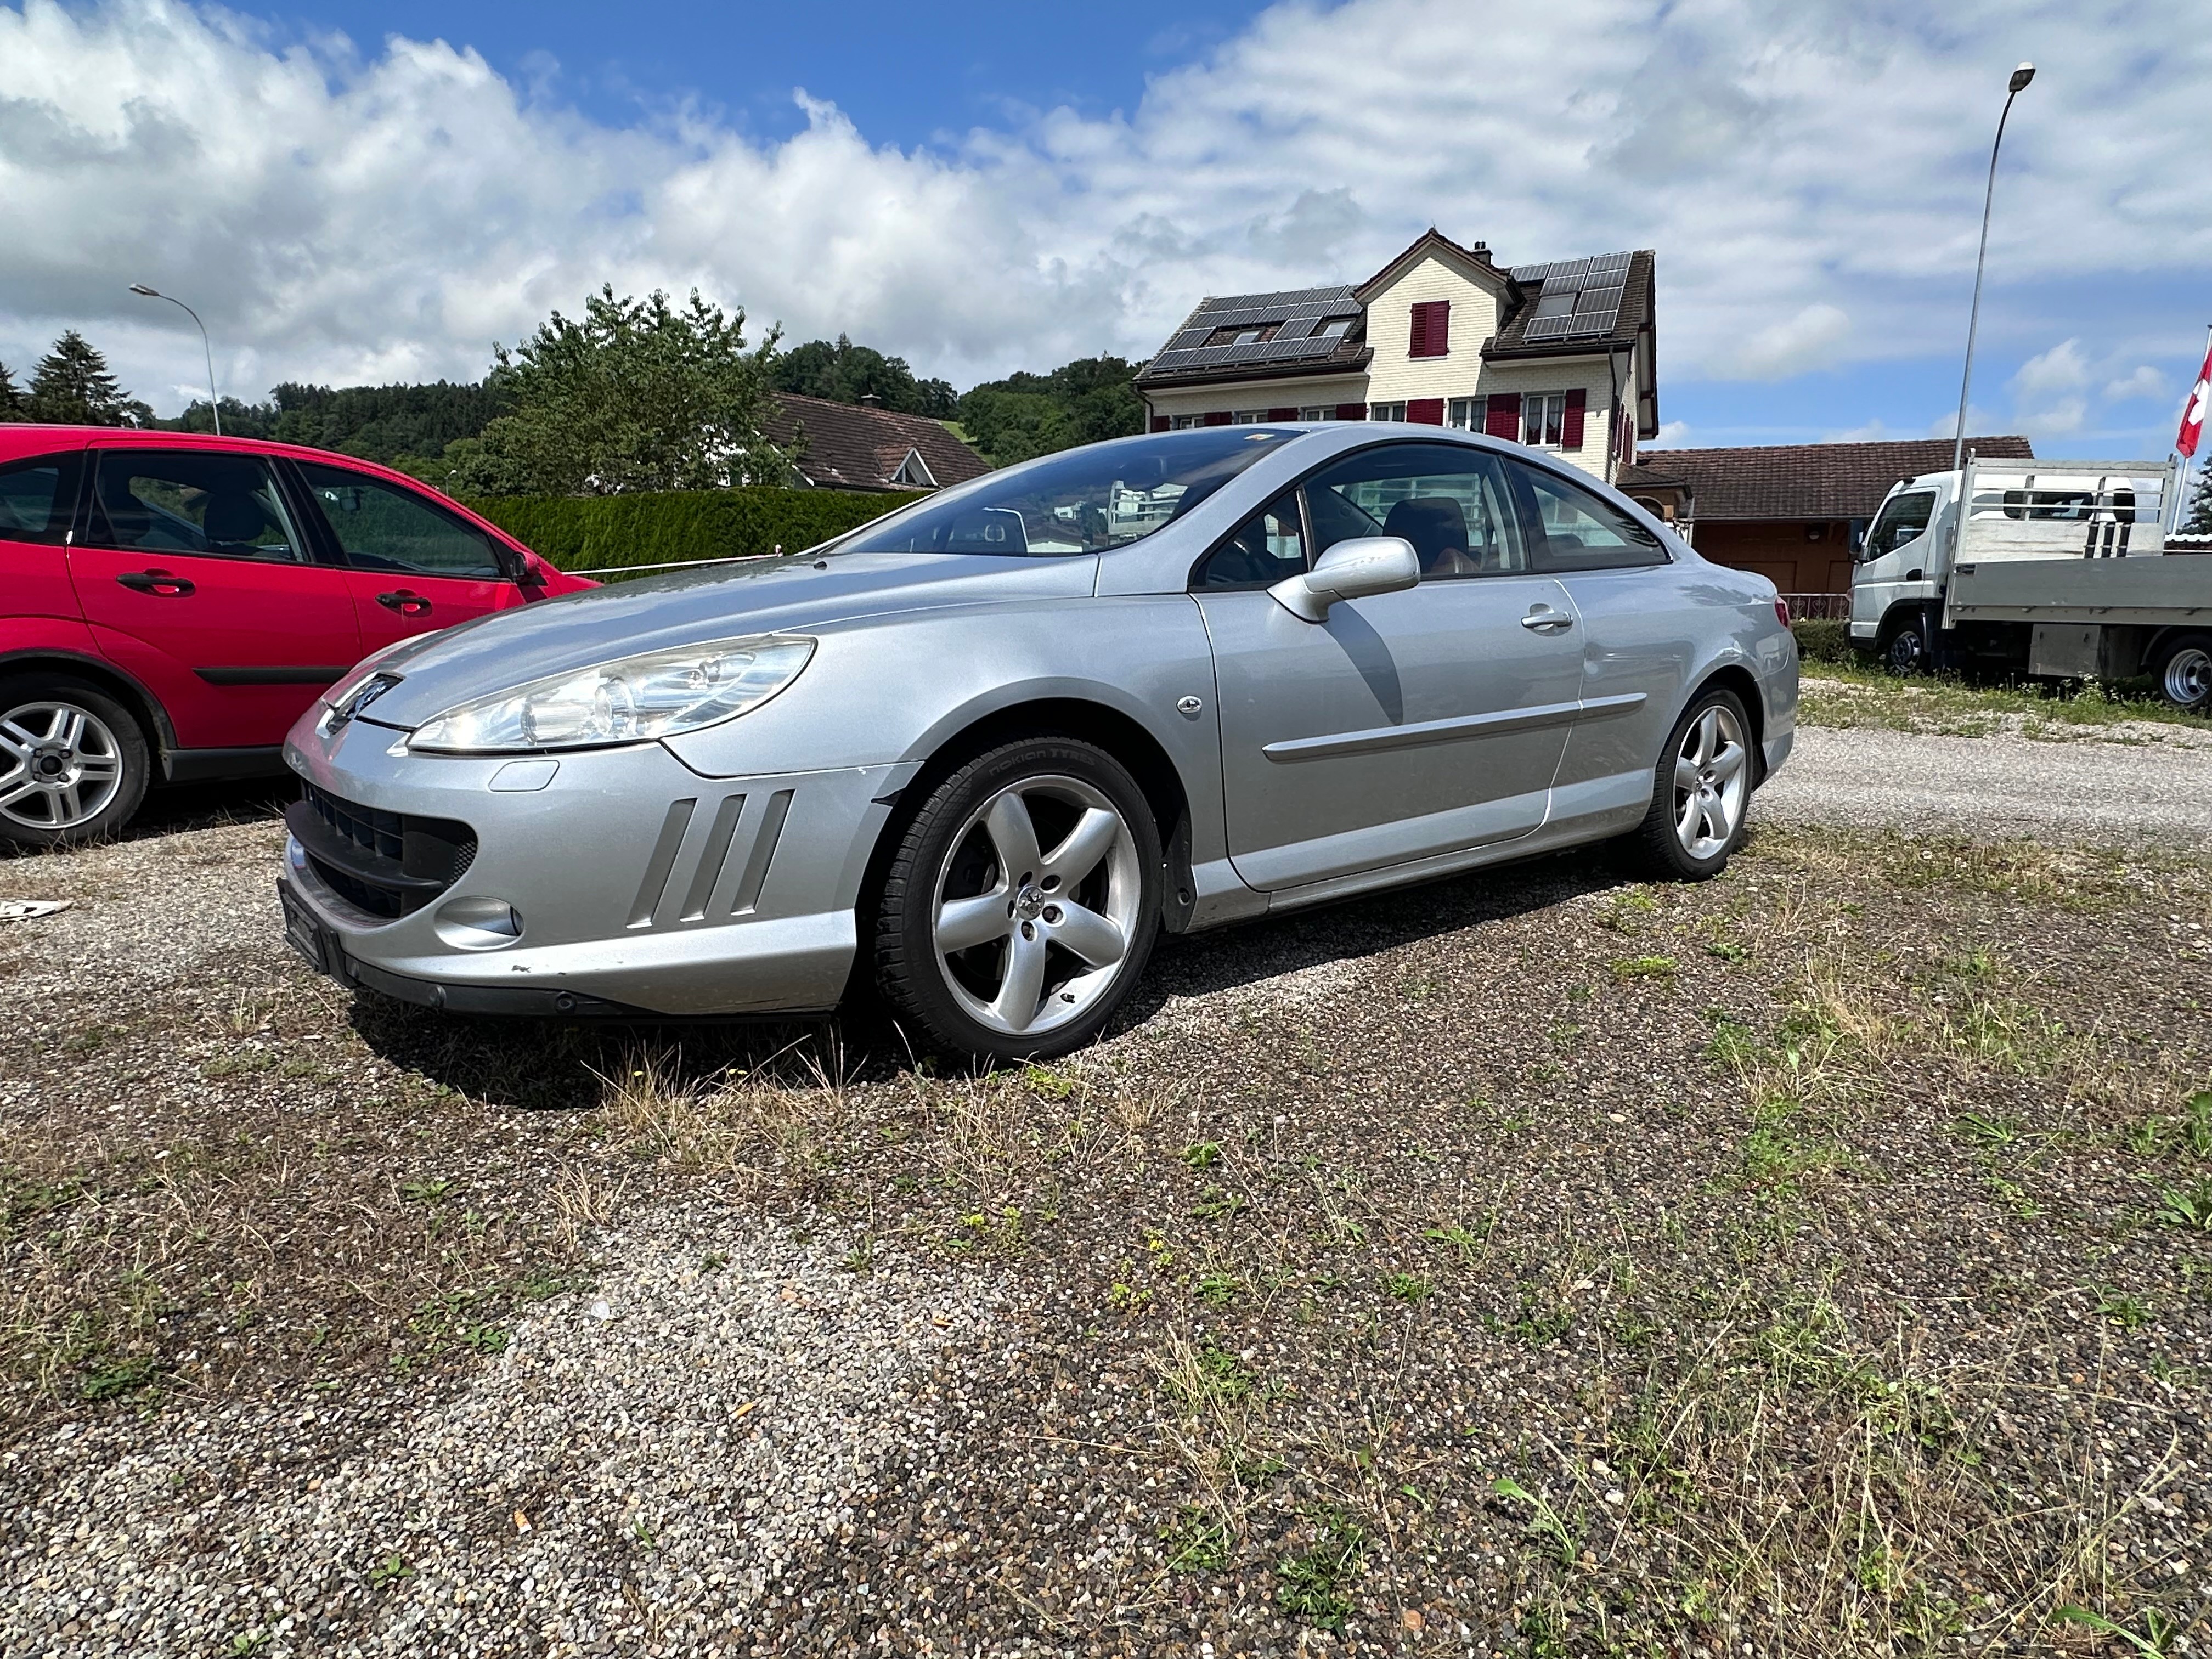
[(1908, 650), (1711, 775), (60, 765), (1029, 938), (2187, 681)]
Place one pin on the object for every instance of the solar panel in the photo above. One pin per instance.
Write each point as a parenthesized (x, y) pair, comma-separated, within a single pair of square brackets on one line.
[(1596, 285), (1298, 317)]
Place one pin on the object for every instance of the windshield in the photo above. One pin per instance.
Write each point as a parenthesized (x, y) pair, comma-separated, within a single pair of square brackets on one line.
[(1082, 500)]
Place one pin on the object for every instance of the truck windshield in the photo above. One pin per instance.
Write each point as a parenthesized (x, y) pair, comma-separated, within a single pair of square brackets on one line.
[(1904, 518), (1081, 501)]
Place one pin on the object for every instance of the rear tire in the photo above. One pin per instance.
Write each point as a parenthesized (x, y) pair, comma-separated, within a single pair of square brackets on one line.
[(74, 761), (2184, 673), (1700, 793), (1020, 902)]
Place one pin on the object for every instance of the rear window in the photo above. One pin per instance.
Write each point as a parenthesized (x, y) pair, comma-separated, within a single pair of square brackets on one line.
[(37, 499)]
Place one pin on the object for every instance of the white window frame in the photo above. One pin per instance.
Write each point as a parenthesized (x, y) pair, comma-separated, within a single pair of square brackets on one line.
[(1467, 414), (1543, 412), (1316, 412), (1247, 416), (1387, 412), (1184, 422)]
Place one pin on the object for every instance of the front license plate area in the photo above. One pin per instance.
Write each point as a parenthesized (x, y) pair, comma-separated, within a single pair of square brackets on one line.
[(304, 933)]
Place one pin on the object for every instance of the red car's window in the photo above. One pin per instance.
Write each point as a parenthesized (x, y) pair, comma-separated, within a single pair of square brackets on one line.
[(382, 527), (37, 498), (199, 501)]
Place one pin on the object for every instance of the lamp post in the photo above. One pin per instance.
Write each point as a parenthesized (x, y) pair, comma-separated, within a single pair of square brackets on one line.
[(2014, 88), (214, 404)]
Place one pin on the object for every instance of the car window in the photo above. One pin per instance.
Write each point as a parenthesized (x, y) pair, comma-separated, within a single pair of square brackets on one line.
[(1579, 530), (384, 527), (204, 502), (37, 499), (1447, 500), (1269, 545), (1904, 518)]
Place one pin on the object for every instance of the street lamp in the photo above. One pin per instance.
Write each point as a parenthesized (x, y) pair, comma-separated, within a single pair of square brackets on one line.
[(214, 404), (2014, 88)]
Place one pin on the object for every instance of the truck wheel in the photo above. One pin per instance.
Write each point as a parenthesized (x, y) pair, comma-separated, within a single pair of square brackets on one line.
[(2184, 673), (1906, 651), (74, 764)]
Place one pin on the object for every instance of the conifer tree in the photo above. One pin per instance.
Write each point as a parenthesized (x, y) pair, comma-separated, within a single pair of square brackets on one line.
[(14, 405), (72, 387)]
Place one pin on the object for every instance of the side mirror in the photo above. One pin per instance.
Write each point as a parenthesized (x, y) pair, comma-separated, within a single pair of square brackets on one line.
[(1350, 570)]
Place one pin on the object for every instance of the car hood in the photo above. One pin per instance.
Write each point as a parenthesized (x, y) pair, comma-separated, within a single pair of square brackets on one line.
[(509, 647)]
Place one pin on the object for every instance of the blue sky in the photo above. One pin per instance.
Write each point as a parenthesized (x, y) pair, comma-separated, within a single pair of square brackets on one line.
[(359, 191)]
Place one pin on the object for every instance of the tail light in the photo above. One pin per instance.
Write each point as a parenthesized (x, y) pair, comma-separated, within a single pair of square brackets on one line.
[(1782, 611)]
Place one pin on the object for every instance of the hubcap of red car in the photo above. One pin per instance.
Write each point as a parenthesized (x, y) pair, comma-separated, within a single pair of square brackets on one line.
[(60, 765)]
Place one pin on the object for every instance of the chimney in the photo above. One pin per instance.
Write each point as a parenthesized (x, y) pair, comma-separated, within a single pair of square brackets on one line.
[(869, 400)]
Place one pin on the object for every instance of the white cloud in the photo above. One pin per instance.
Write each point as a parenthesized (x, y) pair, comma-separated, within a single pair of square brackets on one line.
[(1873, 432), (2143, 381), (2054, 373), (1810, 172), (1673, 435)]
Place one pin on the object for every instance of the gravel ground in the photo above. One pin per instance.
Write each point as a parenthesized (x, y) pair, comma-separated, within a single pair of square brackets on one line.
[(1996, 786), (1815, 1261)]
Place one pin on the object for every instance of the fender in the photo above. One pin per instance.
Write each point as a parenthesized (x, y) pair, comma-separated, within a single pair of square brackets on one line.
[(52, 640)]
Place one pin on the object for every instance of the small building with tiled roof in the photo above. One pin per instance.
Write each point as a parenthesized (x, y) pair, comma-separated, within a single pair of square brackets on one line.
[(1792, 512), (1562, 355), (859, 446)]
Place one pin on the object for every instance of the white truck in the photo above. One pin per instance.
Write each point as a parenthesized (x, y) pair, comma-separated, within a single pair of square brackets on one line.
[(2054, 568)]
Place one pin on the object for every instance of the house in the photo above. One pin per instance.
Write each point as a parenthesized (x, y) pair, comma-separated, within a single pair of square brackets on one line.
[(859, 446), (1561, 357), (1791, 512)]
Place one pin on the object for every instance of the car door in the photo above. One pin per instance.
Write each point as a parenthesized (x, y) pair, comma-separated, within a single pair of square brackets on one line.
[(37, 501), (1405, 725), (411, 564), (1637, 624), (1895, 559), (193, 575)]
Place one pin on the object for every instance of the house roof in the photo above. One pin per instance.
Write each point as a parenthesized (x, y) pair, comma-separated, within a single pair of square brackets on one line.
[(1578, 308), (1803, 481), (1243, 336), (853, 446)]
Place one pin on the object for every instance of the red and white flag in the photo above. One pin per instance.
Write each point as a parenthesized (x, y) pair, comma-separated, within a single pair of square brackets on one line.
[(2193, 412)]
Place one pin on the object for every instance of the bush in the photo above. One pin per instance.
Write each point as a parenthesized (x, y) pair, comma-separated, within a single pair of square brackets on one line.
[(599, 532), (1824, 641)]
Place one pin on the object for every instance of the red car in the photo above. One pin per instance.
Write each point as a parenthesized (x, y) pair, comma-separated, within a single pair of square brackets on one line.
[(171, 602)]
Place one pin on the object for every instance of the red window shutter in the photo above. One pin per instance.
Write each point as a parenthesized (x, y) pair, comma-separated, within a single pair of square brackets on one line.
[(1426, 411), (1159, 422), (1432, 329), (1352, 411), (1571, 424), (1503, 418), (1283, 414), (1218, 417)]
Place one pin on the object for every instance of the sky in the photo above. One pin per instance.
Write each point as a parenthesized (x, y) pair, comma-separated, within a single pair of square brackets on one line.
[(354, 190)]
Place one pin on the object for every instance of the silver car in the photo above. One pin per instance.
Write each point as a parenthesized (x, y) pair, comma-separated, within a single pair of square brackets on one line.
[(983, 751)]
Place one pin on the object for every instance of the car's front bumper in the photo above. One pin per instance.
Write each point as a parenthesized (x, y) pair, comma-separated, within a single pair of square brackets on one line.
[(641, 887)]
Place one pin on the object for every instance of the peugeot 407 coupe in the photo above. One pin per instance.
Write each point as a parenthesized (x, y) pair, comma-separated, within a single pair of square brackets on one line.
[(984, 750)]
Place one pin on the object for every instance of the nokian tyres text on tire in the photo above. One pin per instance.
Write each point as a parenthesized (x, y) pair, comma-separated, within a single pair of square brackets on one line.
[(74, 763), (1021, 901), (1700, 792)]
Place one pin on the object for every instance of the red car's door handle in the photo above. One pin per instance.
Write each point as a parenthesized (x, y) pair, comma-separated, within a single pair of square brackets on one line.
[(406, 603), (159, 583)]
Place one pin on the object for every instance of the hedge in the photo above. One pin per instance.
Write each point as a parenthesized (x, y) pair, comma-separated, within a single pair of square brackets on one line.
[(1824, 641), (599, 532)]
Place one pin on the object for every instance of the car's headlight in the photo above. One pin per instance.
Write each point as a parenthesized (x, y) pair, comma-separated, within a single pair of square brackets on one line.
[(657, 695)]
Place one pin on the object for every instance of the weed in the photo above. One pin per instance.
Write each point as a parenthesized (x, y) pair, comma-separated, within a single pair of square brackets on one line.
[(1544, 1521), (393, 1570), (2154, 1642), (1728, 950), (485, 1339), (123, 1377), (1048, 1085), (1197, 1541), (2128, 1312), (1467, 1244), (1315, 1585), (1203, 1156), (1218, 1288), (248, 1641), (2187, 1207), (1213, 1205), (425, 1191), (1629, 968), (1406, 1287), (862, 1258), (1208, 1375), (1987, 1130)]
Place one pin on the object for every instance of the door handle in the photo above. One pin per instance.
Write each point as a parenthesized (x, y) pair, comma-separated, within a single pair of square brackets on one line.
[(159, 583), (1538, 621), (406, 603)]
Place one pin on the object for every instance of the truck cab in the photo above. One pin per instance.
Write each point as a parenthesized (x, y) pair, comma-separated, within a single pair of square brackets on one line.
[(1897, 577)]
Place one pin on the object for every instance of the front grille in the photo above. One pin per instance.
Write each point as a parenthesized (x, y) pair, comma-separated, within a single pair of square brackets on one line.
[(388, 864)]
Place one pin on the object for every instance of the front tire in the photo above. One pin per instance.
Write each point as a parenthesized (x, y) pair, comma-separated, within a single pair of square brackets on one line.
[(1700, 793), (1021, 904), (2184, 673), (74, 763), (1908, 650)]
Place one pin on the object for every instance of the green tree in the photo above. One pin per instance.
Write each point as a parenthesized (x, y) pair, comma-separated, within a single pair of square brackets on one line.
[(2199, 522), (1079, 403), (71, 386), (14, 405), (636, 394), (847, 373)]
